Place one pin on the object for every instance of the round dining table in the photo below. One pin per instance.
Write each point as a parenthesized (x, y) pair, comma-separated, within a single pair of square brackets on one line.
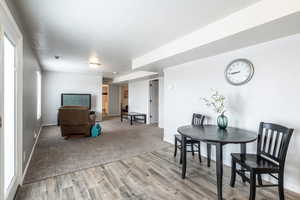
[(213, 135)]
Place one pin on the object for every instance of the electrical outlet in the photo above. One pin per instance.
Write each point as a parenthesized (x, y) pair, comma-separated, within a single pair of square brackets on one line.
[(24, 156)]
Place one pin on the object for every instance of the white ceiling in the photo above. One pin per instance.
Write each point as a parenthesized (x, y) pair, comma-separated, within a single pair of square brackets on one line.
[(240, 29), (114, 31)]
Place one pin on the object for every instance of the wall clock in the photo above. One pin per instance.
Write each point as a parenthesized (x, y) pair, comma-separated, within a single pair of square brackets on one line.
[(239, 72)]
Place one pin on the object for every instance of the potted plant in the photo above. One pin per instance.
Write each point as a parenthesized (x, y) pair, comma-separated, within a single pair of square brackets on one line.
[(217, 102)]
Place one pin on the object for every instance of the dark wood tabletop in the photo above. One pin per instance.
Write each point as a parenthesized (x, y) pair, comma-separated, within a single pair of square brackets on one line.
[(213, 134)]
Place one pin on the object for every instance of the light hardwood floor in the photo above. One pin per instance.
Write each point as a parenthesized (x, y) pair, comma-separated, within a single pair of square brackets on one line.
[(153, 175)]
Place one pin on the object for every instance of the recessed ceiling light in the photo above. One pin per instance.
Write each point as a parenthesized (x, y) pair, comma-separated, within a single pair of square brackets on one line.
[(115, 72), (94, 65)]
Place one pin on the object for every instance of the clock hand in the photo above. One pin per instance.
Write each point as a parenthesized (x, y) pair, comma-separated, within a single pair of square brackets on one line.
[(232, 73)]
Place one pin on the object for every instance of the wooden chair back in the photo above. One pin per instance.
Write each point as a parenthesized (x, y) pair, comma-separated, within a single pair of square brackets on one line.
[(273, 141), (198, 119)]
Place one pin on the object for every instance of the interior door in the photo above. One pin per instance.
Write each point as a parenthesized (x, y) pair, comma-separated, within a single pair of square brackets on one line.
[(10, 148), (154, 101)]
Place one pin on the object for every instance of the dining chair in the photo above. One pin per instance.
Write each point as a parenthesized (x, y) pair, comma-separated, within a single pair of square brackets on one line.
[(197, 120), (272, 145)]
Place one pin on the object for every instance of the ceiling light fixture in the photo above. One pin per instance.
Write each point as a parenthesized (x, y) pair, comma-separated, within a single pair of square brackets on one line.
[(115, 72), (94, 65)]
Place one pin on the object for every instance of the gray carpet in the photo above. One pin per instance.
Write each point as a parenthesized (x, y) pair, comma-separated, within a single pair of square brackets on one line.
[(55, 156)]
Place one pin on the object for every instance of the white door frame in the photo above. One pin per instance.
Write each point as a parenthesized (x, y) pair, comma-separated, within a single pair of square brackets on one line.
[(9, 27)]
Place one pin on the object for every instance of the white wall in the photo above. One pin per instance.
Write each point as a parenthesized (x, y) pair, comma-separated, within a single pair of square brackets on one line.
[(55, 83), (271, 96), (31, 124), (138, 97)]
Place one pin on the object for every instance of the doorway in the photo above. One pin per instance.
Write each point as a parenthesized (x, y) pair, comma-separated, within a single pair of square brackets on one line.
[(124, 98), (105, 100), (154, 101), (10, 105)]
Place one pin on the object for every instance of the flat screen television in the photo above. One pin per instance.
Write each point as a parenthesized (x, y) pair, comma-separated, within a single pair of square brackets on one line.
[(72, 99)]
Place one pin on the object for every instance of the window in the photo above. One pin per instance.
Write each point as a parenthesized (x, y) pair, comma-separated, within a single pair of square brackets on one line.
[(39, 95)]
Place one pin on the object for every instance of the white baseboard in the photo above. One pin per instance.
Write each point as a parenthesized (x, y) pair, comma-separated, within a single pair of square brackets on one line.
[(49, 124), (31, 153), (114, 115), (168, 140)]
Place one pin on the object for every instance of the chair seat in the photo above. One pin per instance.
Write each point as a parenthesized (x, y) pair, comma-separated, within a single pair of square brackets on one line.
[(257, 163), (188, 140)]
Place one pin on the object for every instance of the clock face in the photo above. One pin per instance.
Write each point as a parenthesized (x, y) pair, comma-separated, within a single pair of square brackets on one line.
[(239, 72)]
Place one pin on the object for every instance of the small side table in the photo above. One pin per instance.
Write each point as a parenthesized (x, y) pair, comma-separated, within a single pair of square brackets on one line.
[(134, 116)]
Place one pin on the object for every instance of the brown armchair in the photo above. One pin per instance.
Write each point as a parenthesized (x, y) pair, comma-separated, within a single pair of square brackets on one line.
[(75, 120)]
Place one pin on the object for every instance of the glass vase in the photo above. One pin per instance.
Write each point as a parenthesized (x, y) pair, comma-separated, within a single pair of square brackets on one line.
[(222, 121)]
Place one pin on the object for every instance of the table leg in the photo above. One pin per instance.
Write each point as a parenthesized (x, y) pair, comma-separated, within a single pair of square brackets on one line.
[(243, 152), (131, 119), (145, 119), (219, 168), (183, 156), (208, 154), (243, 148)]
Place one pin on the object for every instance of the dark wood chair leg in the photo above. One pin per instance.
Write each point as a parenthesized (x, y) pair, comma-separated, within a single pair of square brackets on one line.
[(208, 154), (192, 148), (233, 173), (280, 186), (259, 179), (199, 152), (183, 150), (252, 186), (175, 150), (180, 160)]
